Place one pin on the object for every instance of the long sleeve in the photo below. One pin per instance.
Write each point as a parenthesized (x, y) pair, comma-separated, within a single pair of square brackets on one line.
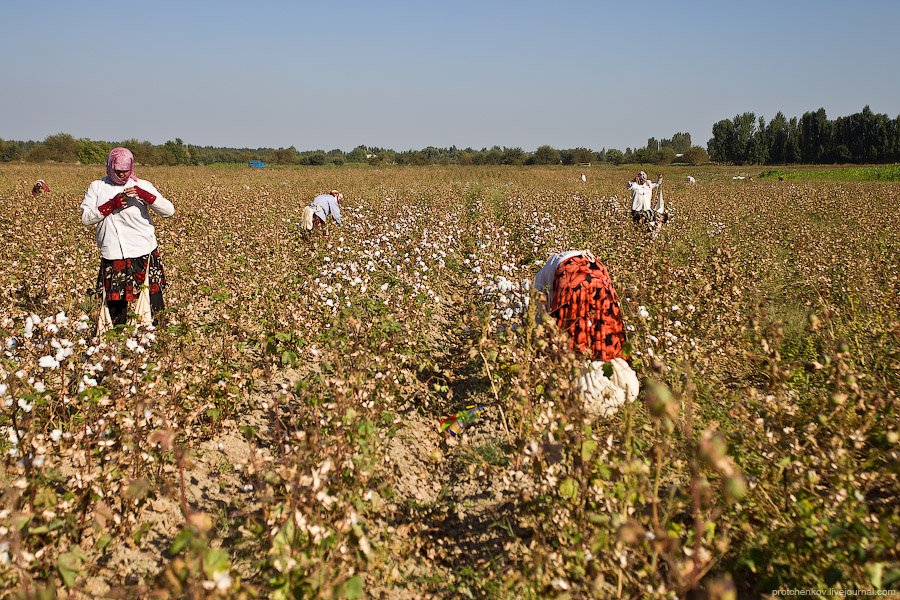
[(90, 207), (161, 206), (336, 212)]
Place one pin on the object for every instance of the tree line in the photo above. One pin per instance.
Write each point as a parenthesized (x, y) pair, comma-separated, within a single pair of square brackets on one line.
[(862, 138), (64, 148)]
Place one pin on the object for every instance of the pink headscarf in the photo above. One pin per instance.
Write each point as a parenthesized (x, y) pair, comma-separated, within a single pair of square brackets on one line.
[(120, 159)]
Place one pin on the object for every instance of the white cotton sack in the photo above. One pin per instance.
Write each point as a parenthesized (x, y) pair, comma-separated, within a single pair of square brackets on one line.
[(307, 221), (604, 395)]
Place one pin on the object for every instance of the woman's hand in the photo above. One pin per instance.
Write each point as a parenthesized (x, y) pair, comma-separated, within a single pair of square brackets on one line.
[(117, 202), (143, 195)]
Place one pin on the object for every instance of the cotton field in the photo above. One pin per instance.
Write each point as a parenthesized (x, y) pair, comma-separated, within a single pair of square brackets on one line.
[(277, 433)]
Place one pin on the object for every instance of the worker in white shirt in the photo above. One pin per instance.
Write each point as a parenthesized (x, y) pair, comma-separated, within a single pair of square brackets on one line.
[(642, 196), (119, 207)]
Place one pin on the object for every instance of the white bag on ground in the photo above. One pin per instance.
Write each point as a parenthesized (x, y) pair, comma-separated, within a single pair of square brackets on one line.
[(604, 395)]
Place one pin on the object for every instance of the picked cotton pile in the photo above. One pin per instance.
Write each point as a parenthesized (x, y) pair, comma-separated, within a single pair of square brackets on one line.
[(602, 394)]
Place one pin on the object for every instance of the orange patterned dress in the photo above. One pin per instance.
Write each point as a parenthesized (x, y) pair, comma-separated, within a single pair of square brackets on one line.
[(585, 306)]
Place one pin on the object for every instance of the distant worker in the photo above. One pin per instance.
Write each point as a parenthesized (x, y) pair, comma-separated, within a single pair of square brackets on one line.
[(583, 177), (581, 297), (642, 197), (40, 187), (316, 214), (691, 180)]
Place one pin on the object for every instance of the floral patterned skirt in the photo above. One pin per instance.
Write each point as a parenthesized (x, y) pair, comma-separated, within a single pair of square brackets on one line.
[(122, 279)]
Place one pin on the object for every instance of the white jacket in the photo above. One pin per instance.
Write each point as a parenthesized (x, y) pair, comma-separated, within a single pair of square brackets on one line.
[(641, 195), (125, 233)]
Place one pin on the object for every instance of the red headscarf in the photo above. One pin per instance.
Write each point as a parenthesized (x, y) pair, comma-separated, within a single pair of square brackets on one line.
[(120, 159)]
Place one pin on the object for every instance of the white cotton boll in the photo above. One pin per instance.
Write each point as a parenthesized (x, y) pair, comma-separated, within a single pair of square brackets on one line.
[(25, 406), (29, 329), (131, 344), (3, 388), (48, 362), (40, 387), (61, 317), (643, 312), (56, 435), (52, 328)]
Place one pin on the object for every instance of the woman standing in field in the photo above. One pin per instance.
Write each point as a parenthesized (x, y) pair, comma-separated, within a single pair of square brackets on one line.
[(581, 297), (642, 197), (119, 207)]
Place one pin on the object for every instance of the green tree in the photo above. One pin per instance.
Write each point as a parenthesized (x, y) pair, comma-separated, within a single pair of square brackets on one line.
[(545, 155), (721, 143), (357, 155), (757, 147), (513, 156), (174, 153), (680, 142), (286, 156), (792, 146), (317, 158), (614, 156), (777, 139), (814, 137), (696, 155), (665, 156), (92, 153), (576, 156), (61, 147)]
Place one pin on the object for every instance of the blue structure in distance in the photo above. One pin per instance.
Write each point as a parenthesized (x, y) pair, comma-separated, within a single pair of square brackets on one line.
[(257, 164)]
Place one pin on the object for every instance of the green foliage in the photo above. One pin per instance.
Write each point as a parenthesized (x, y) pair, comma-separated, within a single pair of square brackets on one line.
[(863, 137), (885, 173)]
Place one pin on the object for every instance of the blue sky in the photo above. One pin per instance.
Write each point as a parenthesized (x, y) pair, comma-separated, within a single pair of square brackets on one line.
[(409, 74)]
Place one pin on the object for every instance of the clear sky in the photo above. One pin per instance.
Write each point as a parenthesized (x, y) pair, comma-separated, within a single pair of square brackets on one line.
[(409, 74)]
